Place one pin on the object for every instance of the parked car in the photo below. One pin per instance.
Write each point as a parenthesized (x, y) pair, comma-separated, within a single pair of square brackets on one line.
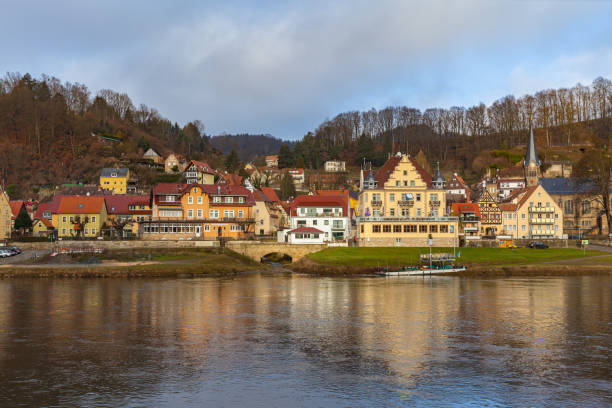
[(16, 249), (537, 245), (5, 253)]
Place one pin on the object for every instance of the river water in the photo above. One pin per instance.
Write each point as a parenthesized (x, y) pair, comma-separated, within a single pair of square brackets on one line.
[(292, 340)]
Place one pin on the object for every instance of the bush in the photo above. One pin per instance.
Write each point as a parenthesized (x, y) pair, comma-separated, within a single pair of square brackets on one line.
[(511, 157), (29, 239)]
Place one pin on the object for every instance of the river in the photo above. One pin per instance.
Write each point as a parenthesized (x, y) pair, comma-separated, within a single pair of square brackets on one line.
[(292, 340)]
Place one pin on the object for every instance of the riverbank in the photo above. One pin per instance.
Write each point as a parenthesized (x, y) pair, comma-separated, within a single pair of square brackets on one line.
[(480, 262), (136, 264)]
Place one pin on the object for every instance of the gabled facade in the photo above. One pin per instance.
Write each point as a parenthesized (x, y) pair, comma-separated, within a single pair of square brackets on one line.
[(532, 213), (272, 161), (6, 223), (329, 214), (399, 206), (42, 224), (198, 211), (334, 166), (490, 215), (81, 216), (125, 212), (115, 180), (457, 187), (197, 172), (175, 163), (469, 219), (506, 186), (153, 156)]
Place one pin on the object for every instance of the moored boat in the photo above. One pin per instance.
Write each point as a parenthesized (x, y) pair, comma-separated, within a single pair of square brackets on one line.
[(431, 264)]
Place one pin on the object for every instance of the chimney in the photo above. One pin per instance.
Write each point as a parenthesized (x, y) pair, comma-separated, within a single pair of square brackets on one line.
[(218, 189)]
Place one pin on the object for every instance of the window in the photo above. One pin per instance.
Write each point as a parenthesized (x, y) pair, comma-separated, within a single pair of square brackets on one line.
[(338, 224), (397, 183), (405, 183), (405, 212), (392, 212), (207, 228), (199, 199), (443, 228), (361, 228), (190, 200), (93, 231), (228, 214), (405, 173), (63, 231), (523, 215), (190, 213), (217, 199), (169, 198), (64, 219), (386, 228), (375, 228), (240, 214), (433, 229), (586, 207), (392, 197), (397, 228), (568, 207), (410, 228), (523, 227), (71, 219), (326, 222), (314, 222), (200, 214), (422, 228), (418, 214), (229, 199), (418, 197), (93, 218), (213, 213)]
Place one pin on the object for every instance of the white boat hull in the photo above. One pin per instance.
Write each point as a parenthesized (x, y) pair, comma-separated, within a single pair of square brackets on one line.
[(423, 272)]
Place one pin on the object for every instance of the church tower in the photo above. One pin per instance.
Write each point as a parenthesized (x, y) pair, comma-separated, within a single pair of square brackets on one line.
[(531, 162)]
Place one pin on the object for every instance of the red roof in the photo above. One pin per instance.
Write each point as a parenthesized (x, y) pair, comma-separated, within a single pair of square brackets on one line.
[(231, 179), (319, 201), (81, 205), (15, 207), (270, 193), (260, 196), (45, 221), (119, 204), (305, 230), (460, 208), (201, 166), (42, 207)]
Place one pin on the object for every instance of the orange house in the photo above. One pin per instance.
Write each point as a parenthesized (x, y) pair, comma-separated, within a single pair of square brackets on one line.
[(199, 211)]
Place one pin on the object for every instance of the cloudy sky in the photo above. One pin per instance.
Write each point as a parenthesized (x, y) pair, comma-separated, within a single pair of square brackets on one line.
[(284, 67)]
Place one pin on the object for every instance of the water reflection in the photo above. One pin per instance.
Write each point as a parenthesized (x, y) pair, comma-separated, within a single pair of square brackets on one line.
[(262, 340)]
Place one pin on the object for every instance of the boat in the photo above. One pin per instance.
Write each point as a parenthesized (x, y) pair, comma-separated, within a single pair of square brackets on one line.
[(431, 264)]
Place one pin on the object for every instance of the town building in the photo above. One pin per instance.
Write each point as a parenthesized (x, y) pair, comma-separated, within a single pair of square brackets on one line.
[(153, 156), (490, 215), (115, 180), (469, 220), (175, 163), (399, 206), (334, 166), (125, 212), (327, 214), (81, 216), (6, 214), (457, 187), (296, 174), (506, 186), (532, 213), (42, 224), (582, 209), (199, 211), (324, 180), (304, 235), (557, 168), (268, 216), (197, 172), (284, 215), (272, 161)]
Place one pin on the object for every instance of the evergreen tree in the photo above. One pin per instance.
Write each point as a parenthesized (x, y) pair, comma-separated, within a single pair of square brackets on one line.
[(287, 188), (143, 143), (243, 173), (23, 221), (365, 149), (285, 157), (387, 144), (299, 163), (232, 163)]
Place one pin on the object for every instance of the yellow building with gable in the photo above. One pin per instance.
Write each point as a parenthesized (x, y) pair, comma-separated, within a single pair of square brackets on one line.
[(115, 179)]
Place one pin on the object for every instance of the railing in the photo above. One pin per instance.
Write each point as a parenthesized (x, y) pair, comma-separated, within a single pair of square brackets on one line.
[(434, 203), (320, 215), (542, 209), (404, 203), (408, 219), (376, 203), (470, 228), (198, 220), (191, 174), (542, 221), (470, 219)]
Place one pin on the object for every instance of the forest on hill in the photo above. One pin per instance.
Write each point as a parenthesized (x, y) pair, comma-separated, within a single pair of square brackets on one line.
[(54, 132), (249, 147)]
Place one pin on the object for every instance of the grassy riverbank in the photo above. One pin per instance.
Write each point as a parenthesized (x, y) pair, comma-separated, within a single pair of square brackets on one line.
[(480, 261), (136, 263)]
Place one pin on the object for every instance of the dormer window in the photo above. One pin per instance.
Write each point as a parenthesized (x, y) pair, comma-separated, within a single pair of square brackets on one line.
[(216, 199), (229, 199), (241, 199), (113, 174)]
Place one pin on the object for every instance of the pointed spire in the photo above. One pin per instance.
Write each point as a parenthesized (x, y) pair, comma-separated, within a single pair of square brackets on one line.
[(532, 154)]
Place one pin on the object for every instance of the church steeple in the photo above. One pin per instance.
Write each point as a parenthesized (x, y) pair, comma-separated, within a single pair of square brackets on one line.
[(531, 162)]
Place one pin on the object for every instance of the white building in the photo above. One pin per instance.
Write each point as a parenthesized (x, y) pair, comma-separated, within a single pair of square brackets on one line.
[(457, 187), (302, 235), (508, 185), (297, 175), (327, 214), (334, 166)]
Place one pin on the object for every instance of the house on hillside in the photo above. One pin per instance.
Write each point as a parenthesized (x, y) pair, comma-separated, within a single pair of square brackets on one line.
[(197, 172), (297, 175), (42, 224), (334, 166), (81, 216), (175, 163), (272, 161), (125, 212), (153, 156), (115, 180), (456, 187)]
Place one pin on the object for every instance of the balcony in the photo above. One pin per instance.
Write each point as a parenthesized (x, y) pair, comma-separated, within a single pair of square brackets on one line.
[(407, 219), (542, 209), (541, 220), (191, 174), (470, 219), (376, 203), (434, 203), (466, 228), (406, 203)]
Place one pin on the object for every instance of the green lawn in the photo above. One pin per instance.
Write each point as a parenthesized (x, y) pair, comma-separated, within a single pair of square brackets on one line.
[(393, 256)]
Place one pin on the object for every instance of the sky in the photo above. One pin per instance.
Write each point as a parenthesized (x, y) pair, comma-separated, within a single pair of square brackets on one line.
[(284, 67)]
